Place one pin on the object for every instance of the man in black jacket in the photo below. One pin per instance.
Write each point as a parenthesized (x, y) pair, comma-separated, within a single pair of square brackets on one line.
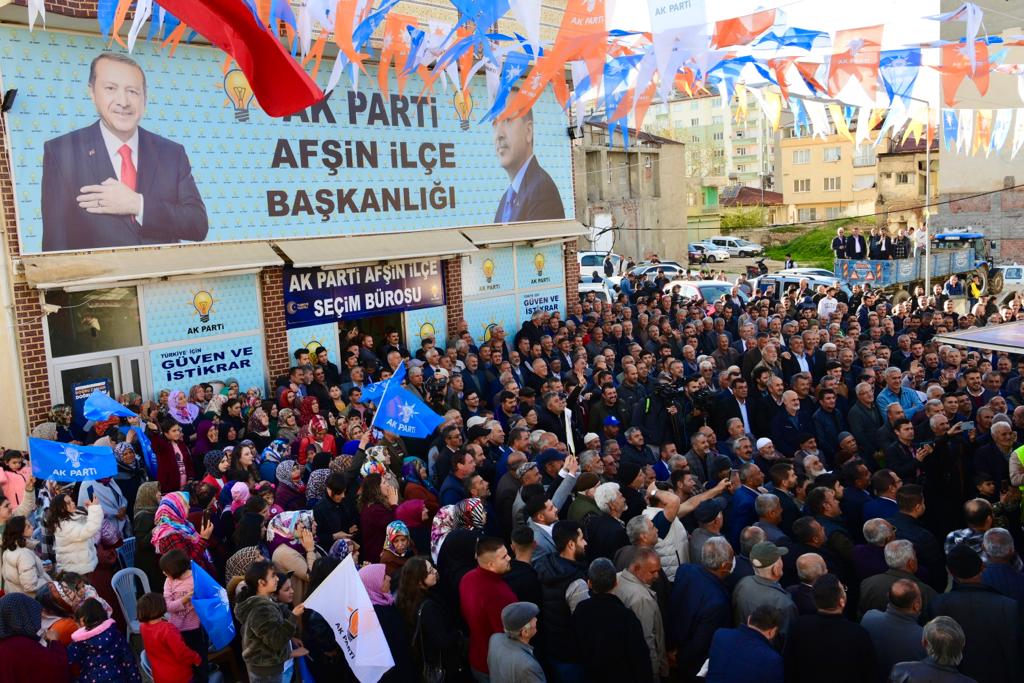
[(608, 636), (563, 586), (856, 248), (699, 605), (910, 499), (332, 519), (990, 621)]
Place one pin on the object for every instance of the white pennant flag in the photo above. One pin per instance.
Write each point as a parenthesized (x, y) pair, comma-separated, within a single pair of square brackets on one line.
[(345, 605), (143, 10), (1018, 134), (36, 8), (965, 136), (528, 14), (1000, 129), (863, 124), (818, 115)]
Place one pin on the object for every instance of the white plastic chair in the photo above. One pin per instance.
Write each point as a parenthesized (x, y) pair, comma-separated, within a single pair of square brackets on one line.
[(123, 584)]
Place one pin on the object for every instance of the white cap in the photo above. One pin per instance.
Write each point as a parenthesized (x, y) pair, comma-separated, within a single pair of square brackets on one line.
[(475, 420), (590, 436), (762, 442)]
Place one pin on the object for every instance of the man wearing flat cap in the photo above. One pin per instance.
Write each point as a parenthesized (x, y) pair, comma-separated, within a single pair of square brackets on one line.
[(763, 587), (509, 655)]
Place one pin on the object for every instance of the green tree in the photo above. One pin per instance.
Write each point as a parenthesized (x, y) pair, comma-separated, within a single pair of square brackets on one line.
[(739, 219)]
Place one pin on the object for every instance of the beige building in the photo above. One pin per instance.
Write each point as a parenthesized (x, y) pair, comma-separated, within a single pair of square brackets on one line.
[(640, 192), (826, 178), (902, 182)]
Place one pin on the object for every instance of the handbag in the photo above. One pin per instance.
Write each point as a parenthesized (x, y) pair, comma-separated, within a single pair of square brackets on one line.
[(431, 673)]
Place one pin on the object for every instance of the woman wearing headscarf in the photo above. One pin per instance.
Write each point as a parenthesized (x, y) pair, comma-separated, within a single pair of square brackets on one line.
[(316, 485), (146, 502), (397, 547), (418, 484), (217, 463), (271, 457), (207, 439), (287, 425), (457, 554), (173, 459), (258, 428), (183, 412), (376, 502), (61, 415), (317, 437), (214, 406), (197, 397), (173, 530), (24, 657), (308, 409), (130, 473), (378, 586), (291, 492), (413, 513), (466, 514), (290, 537)]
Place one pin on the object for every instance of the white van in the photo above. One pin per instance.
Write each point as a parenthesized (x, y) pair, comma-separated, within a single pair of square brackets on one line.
[(737, 246)]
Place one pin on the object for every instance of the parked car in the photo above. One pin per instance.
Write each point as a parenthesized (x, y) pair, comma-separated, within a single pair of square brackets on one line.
[(601, 290), (737, 246), (708, 291), (708, 253), (782, 282), (594, 260), (670, 268)]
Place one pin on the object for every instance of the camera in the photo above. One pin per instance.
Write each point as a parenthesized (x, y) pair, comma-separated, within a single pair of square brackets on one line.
[(704, 400)]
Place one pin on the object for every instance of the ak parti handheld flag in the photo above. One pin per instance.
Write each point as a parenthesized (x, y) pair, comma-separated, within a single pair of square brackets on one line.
[(68, 462), (210, 601), (404, 413), (345, 605), (277, 80)]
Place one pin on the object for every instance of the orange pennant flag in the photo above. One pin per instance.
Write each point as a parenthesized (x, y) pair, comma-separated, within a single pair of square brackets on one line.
[(809, 72), (956, 66), (643, 103), (121, 12), (395, 47), (742, 30), (316, 53), (856, 57), (345, 21), (982, 130)]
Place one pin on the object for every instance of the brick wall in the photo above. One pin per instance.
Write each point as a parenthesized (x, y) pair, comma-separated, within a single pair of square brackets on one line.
[(572, 274), (275, 336), (32, 352), (453, 293)]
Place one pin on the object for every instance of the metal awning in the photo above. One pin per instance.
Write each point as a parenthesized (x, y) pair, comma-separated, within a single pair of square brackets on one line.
[(333, 251), (1007, 337), (525, 232), (51, 271)]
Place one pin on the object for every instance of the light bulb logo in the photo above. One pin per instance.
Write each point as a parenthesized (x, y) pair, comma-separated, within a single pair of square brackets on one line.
[(203, 302), (488, 269), (488, 330), (238, 90), (538, 263), (435, 292), (312, 346), (427, 331), (463, 102)]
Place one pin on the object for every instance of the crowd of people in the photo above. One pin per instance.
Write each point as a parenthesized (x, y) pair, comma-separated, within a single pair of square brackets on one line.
[(656, 488)]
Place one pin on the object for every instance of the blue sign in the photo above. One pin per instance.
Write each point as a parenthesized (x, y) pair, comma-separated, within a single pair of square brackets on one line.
[(206, 307), (313, 296), (180, 367), (68, 462)]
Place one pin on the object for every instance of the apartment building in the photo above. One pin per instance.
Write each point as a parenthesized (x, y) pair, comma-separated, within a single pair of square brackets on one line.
[(903, 183), (826, 178)]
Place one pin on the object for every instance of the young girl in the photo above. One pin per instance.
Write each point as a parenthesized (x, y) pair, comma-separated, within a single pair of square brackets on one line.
[(217, 465), (98, 648), (178, 590), (14, 474), (267, 629), (170, 659), (396, 548)]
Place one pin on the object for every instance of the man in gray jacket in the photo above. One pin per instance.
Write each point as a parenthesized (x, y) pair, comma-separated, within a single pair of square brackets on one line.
[(634, 589), (509, 655), (763, 587)]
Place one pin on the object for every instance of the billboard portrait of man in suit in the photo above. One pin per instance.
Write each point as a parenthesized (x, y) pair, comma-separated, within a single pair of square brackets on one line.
[(114, 184), (531, 195)]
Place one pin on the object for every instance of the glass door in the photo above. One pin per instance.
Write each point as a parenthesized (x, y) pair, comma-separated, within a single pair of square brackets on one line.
[(77, 380)]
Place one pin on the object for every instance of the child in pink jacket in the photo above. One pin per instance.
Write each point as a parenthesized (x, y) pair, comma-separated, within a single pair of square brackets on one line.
[(178, 589), (14, 474)]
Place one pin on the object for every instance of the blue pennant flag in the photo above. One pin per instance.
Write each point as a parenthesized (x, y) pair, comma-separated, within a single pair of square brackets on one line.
[(100, 406), (802, 38), (105, 12), (516, 65), (950, 128), (68, 462), (404, 413), (148, 454), (899, 69), (210, 601), (373, 392)]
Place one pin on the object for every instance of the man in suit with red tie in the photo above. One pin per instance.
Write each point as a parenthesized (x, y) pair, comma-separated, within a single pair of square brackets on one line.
[(531, 195), (114, 184)]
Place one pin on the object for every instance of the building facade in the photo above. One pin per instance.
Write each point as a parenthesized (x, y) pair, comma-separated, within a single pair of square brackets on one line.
[(368, 213), (903, 182)]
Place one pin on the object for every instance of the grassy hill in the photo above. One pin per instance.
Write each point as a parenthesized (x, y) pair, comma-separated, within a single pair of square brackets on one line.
[(811, 249)]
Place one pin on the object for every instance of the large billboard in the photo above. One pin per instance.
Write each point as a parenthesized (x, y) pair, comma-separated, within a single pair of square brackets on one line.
[(162, 150)]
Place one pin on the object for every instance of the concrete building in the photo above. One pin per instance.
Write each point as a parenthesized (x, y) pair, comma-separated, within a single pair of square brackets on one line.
[(902, 183), (739, 199), (826, 178), (640, 192), (999, 212)]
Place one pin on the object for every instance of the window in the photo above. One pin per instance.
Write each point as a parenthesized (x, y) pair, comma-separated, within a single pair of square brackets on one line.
[(716, 120), (802, 185), (832, 154), (694, 138), (902, 178), (810, 214), (832, 184), (740, 168), (801, 156), (719, 136), (719, 153), (833, 212), (864, 155), (741, 151), (692, 199), (695, 122), (739, 133), (95, 320), (863, 182)]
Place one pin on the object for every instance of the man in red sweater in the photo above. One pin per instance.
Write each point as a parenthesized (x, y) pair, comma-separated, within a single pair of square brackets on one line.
[(482, 595)]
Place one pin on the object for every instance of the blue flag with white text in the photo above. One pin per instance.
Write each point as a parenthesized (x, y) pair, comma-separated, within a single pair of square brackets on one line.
[(210, 601), (68, 462), (374, 392), (100, 406), (404, 413)]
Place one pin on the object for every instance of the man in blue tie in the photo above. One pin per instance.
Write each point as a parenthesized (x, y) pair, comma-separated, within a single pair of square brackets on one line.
[(531, 195)]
